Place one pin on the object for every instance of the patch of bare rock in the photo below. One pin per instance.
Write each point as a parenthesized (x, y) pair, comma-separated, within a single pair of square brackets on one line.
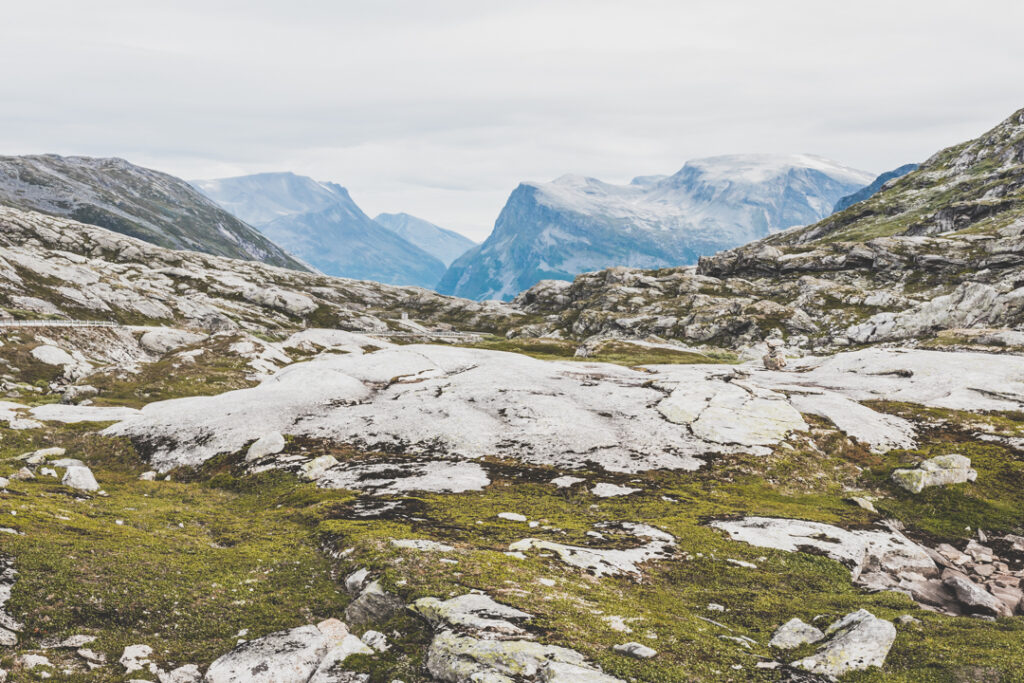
[(975, 581)]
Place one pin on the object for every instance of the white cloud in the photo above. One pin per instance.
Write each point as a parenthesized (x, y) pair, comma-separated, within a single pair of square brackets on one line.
[(441, 108)]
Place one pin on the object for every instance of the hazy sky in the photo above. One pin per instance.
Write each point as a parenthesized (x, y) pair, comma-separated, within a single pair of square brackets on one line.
[(439, 108)]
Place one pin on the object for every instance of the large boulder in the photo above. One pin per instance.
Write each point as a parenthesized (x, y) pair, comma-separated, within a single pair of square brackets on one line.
[(858, 641), (472, 612), (81, 478), (331, 666), (161, 340), (938, 471)]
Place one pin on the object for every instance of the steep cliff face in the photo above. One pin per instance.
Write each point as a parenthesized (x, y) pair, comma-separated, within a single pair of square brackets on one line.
[(576, 224), (135, 201)]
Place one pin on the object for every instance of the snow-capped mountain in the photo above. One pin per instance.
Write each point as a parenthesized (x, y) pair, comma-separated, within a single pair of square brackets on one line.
[(262, 197), (140, 202), (576, 224), (319, 223), (442, 244)]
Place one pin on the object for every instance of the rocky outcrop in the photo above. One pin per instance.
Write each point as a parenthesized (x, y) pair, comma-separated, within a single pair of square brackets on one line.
[(621, 419), (438, 401), (734, 412), (162, 340)]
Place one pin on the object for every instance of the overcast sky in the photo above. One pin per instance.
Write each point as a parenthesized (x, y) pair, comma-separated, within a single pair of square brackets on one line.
[(439, 108)]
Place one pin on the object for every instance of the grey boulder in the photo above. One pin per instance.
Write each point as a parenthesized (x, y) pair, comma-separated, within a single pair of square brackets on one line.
[(858, 641), (81, 478), (290, 656)]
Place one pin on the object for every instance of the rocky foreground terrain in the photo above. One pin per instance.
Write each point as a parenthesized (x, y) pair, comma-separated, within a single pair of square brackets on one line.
[(799, 461)]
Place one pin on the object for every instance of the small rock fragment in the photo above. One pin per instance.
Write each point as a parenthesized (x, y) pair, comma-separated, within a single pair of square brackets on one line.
[(334, 629), (268, 444), (512, 516), (605, 490), (357, 580), (374, 605), (317, 466), (795, 633), (188, 673), (635, 650), (135, 657), (377, 640)]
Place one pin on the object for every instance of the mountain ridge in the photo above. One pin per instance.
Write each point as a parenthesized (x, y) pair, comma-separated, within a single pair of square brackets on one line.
[(136, 201)]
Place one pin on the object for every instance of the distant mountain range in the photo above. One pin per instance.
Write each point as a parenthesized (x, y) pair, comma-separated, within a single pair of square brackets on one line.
[(442, 244), (135, 201), (576, 224), (876, 185), (550, 230), (321, 224)]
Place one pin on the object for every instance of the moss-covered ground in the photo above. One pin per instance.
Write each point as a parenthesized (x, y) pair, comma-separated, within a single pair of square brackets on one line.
[(199, 558), (612, 351)]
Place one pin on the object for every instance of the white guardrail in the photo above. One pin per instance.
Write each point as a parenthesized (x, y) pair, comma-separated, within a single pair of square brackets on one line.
[(450, 335), (7, 322), (4, 322)]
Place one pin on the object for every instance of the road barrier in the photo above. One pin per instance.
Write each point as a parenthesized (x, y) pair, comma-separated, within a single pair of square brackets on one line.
[(4, 322)]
